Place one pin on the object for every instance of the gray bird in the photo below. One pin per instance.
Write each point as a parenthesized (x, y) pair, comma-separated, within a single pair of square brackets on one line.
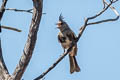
[(66, 36)]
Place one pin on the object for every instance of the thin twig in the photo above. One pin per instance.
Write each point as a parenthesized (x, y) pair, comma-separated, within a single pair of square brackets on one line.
[(58, 60), (79, 35), (107, 20), (2, 10), (51, 67), (11, 28), (19, 10), (114, 10), (102, 11), (102, 21), (103, 4)]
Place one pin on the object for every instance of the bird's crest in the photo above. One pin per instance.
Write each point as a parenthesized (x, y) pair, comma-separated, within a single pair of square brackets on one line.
[(61, 18)]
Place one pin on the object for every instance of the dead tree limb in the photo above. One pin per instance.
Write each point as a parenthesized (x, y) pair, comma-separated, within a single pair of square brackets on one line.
[(11, 28), (80, 34), (20, 10), (3, 69), (2, 10), (106, 20), (31, 41)]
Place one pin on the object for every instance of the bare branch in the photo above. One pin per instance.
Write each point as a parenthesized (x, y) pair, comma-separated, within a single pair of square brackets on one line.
[(51, 67), (11, 28), (79, 35), (103, 4), (30, 44), (97, 15), (113, 1), (107, 20), (102, 21), (19, 10), (3, 69), (93, 17), (114, 10), (2, 10)]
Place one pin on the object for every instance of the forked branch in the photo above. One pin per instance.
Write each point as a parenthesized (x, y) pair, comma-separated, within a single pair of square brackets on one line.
[(106, 20)]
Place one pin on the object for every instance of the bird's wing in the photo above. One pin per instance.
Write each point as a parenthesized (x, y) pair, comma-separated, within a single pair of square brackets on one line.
[(71, 36), (61, 38)]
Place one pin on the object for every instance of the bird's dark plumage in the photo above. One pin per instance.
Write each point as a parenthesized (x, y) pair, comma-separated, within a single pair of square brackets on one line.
[(61, 39), (67, 37)]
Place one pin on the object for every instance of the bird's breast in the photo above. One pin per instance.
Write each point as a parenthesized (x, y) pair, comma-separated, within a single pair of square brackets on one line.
[(64, 40), (66, 44)]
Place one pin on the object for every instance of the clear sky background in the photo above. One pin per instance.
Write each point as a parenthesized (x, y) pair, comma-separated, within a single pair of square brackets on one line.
[(98, 48)]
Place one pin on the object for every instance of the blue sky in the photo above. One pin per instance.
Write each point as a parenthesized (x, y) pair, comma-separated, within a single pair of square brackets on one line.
[(98, 49)]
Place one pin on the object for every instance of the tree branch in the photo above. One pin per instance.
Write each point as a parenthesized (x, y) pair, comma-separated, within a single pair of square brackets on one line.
[(51, 67), (30, 44), (11, 28), (103, 4), (3, 69), (79, 35), (19, 10), (113, 9), (102, 21), (2, 10), (107, 20), (4, 74)]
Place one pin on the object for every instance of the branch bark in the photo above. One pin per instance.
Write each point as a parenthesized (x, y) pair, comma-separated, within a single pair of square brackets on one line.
[(3, 69), (11, 28), (19, 10), (106, 20), (32, 37), (2, 10), (80, 34)]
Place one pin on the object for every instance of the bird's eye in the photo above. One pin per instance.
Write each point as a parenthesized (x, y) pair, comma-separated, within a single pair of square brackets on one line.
[(61, 23)]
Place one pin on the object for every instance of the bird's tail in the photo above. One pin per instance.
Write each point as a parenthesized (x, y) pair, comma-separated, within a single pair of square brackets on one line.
[(73, 64)]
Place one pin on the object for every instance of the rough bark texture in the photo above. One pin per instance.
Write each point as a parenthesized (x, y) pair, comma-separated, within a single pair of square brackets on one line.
[(2, 10), (32, 37), (3, 69)]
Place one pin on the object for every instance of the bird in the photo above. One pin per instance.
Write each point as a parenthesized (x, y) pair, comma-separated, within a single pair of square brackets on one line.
[(66, 37)]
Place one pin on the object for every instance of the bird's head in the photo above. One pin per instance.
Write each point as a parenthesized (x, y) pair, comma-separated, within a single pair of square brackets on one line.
[(61, 23)]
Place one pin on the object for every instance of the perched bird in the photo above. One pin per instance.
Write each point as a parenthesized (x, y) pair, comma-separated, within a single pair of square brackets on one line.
[(66, 37)]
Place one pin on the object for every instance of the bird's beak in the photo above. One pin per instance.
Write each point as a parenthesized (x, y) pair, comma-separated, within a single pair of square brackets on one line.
[(58, 25)]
